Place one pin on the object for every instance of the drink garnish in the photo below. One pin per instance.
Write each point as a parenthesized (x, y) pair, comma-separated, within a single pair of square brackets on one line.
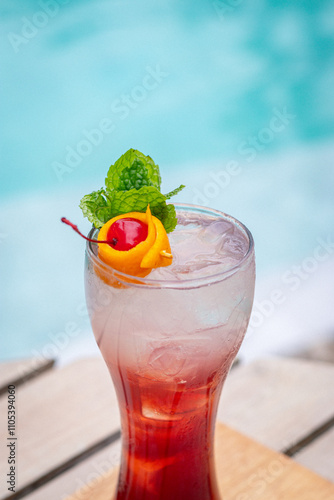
[(132, 215), (132, 184), (154, 251), (75, 228), (126, 233)]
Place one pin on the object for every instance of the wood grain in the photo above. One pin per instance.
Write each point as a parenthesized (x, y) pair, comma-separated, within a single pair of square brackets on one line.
[(246, 470), (60, 415), (18, 372), (89, 470), (319, 455), (278, 401)]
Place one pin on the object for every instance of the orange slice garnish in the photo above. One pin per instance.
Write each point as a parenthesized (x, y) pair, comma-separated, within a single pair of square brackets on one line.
[(138, 261)]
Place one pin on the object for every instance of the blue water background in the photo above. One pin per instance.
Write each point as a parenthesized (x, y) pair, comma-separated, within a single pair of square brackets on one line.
[(196, 86)]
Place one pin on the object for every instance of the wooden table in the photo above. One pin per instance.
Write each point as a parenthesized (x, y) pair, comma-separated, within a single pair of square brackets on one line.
[(68, 437)]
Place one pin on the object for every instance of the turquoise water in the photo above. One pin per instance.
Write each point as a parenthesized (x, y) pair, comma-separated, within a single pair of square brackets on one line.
[(195, 86), (223, 71)]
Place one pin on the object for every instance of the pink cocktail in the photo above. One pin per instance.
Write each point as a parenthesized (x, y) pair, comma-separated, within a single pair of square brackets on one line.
[(169, 341)]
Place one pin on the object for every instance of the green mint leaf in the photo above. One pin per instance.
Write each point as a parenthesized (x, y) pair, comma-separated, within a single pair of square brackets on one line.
[(133, 170), (136, 200), (167, 215), (132, 184), (96, 206), (174, 192)]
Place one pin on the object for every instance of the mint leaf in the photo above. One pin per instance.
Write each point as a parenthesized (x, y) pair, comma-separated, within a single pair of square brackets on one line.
[(174, 192), (167, 215), (134, 177), (132, 184), (136, 200), (96, 207), (133, 170)]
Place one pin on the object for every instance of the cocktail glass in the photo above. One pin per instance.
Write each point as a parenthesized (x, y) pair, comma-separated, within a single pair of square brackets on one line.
[(169, 344)]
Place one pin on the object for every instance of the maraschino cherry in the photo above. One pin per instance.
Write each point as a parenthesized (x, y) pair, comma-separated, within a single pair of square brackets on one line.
[(126, 233), (123, 234)]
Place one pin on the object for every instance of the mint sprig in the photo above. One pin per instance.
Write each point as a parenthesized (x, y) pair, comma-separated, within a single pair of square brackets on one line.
[(132, 184), (133, 170), (174, 192)]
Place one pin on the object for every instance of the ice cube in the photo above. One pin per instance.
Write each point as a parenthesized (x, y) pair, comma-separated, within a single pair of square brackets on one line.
[(155, 413), (213, 234), (235, 247), (168, 359)]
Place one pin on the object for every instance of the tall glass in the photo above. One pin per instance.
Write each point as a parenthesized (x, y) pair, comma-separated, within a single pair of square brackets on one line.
[(169, 344)]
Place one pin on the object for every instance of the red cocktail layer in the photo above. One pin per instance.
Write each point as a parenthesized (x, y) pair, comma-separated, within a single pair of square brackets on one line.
[(167, 431)]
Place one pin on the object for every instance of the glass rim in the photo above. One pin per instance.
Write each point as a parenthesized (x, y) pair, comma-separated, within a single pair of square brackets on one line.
[(134, 281)]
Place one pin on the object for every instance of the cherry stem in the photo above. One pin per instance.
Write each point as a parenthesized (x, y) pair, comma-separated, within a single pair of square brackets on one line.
[(75, 228)]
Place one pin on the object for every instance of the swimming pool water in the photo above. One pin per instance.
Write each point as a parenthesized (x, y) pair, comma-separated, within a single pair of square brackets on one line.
[(219, 73), (233, 99)]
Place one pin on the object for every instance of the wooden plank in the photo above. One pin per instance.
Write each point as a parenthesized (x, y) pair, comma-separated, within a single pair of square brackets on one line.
[(20, 371), (60, 416), (278, 401), (78, 476), (246, 470), (319, 455)]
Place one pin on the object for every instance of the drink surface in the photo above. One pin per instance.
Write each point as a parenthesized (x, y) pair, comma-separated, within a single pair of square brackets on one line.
[(169, 349), (203, 245)]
